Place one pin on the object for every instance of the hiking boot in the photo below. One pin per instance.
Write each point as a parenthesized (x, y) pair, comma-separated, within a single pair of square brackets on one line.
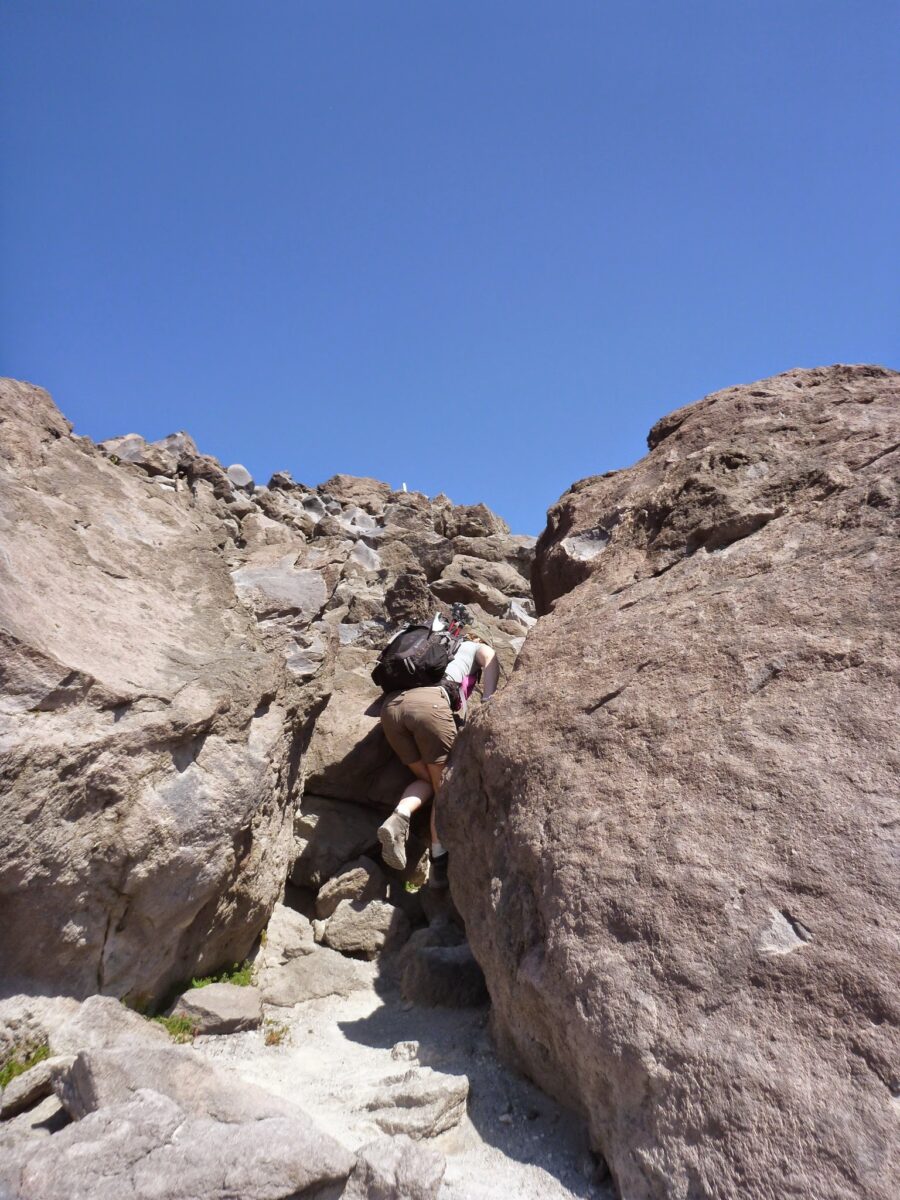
[(437, 871), (392, 835)]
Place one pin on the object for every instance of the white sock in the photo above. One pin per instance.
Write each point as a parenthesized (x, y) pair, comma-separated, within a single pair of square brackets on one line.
[(437, 850)]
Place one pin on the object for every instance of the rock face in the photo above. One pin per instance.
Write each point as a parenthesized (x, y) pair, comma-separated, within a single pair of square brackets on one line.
[(182, 649), (673, 835), (146, 731)]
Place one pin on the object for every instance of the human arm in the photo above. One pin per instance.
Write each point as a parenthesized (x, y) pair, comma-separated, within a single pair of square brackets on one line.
[(487, 662)]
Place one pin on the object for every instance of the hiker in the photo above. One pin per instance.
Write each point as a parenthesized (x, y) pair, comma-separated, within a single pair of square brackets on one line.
[(420, 726)]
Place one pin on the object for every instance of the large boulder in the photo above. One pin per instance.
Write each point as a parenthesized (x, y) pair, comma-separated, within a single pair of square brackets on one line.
[(673, 835), (150, 1145), (147, 733)]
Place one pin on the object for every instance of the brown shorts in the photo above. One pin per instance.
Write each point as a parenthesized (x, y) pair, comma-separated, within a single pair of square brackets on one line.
[(419, 725)]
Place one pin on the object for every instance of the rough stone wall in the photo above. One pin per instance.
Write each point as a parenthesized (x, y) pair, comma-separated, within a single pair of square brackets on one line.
[(170, 634), (673, 835)]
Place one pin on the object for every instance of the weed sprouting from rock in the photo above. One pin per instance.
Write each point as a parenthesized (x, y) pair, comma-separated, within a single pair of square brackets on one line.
[(179, 1029), (240, 976), (22, 1059)]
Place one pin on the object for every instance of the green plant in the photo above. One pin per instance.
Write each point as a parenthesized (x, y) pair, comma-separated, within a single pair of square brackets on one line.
[(22, 1059), (179, 1029), (275, 1033), (241, 976)]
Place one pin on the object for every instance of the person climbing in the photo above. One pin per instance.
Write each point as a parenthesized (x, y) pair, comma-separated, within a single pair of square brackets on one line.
[(421, 727)]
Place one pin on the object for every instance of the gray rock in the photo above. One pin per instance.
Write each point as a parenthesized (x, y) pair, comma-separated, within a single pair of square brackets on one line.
[(518, 610), (472, 581), (362, 881), (102, 1023), (149, 1145), (100, 1078), (32, 1085), (288, 935), (147, 732), (156, 458), (368, 494), (675, 851), (240, 476), (28, 1021), (220, 1008), (313, 976), (281, 587), (421, 1102), (366, 927), (396, 1168), (405, 1051), (327, 835)]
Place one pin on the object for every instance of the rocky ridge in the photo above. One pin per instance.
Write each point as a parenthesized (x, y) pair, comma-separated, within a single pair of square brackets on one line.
[(185, 654), (681, 904)]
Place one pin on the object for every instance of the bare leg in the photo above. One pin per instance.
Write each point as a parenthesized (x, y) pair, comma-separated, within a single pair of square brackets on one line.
[(416, 793), (393, 833)]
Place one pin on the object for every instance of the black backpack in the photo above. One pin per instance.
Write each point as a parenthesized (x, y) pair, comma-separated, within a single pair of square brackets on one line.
[(417, 657)]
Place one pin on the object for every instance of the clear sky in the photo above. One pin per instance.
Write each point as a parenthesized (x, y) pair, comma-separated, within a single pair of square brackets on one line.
[(476, 247)]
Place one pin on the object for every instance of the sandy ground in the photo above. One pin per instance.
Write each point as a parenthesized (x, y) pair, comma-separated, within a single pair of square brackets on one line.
[(514, 1144)]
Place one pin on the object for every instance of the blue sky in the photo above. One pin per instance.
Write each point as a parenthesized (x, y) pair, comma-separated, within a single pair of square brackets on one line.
[(473, 247)]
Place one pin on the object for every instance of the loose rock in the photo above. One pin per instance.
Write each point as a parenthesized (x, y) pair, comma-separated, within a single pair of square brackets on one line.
[(367, 928), (396, 1168), (421, 1103), (220, 1008)]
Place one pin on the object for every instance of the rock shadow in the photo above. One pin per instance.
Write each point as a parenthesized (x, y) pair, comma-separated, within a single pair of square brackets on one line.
[(507, 1111)]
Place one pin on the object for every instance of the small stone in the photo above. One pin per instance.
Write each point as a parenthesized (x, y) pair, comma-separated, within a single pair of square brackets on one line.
[(288, 935), (362, 880), (420, 1103), (405, 1051), (239, 476)]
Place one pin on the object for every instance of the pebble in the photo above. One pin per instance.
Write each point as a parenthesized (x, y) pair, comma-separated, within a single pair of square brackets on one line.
[(405, 1051)]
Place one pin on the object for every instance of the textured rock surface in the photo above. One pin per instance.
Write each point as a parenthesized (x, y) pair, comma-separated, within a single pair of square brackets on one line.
[(327, 835), (32, 1085), (145, 733), (220, 1008), (99, 1078), (419, 1103), (172, 634), (362, 880), (148, 1145), (317, 973), (366, 928), (673, 835), (443, 975), (396, 1168)]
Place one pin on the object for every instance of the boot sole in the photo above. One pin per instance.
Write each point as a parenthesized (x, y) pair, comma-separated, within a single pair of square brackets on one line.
[(391, 853)]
